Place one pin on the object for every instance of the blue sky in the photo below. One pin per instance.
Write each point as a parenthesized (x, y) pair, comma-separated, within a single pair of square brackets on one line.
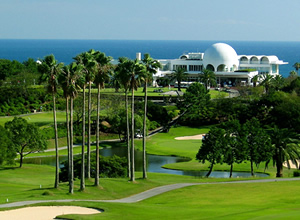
[(259, 20)]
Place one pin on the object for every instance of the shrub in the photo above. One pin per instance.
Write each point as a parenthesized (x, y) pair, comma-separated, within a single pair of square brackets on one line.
[(296, 173), (109, 167)]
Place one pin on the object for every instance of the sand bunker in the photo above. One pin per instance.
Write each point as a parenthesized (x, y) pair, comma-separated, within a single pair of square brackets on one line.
[(44, 212), (194, 137), (293, 166)]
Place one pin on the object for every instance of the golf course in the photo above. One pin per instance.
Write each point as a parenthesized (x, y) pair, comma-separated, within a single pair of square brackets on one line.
[(210, 200)]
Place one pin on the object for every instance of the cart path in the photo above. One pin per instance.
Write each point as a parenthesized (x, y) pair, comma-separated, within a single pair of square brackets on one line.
[(146, 194)]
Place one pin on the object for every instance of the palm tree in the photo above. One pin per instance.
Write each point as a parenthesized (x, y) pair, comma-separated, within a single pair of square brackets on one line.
[(101, 76), (123, 77), (180, 75), (297, 67), (79, 59), (52, 69), (151, 68), (277, 82), (255, 80), (136, 69), (207, 77), (286, 148), (69, 82), (87, 60), (266, 81)]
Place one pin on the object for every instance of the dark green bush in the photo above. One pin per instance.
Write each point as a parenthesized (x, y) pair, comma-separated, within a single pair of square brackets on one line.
[(110, 167), (296, 173)]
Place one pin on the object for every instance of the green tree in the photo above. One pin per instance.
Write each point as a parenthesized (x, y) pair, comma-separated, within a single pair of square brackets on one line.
[(285, 148), (266, 81), (70, 80), (234, 150), (151, 68), (212, 148), (51, 70), (179, 75), (207, 77), (257, 142), (255, 80), (7, 152), (136, 70), (196, 105), (87, 60), (26, 138), (123, 76), (102, 74)]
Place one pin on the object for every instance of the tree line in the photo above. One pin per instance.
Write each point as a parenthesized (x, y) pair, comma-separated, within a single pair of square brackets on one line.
[(95, 67)]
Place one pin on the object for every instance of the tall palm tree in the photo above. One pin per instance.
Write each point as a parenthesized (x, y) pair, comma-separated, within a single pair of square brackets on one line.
[(123, 76), (103, 67), (87, 60), (80, 60), (151, 68), (52, 69), (136, 69), (286, 148), (207, 77), (69, 82), (180, 75)]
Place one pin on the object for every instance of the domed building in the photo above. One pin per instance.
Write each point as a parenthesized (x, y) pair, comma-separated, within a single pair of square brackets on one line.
[(220, 57), (230, 68)]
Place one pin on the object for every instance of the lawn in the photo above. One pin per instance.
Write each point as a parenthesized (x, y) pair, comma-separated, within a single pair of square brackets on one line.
[(40, 119), (274, 200)]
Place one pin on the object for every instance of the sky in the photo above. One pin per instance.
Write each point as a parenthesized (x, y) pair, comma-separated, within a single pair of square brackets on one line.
[(255, 20)]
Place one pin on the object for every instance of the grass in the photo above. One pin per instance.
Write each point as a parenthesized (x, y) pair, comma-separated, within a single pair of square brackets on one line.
[(151, 92), (41, 119), (274, 200)]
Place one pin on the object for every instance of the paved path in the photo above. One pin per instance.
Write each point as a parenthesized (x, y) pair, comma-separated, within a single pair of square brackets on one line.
[(147, 194)]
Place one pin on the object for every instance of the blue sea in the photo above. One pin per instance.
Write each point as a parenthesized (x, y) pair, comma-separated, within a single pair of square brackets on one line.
[(65, 50)]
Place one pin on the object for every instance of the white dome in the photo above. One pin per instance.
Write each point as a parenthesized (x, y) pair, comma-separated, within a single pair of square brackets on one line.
[(220, 57)]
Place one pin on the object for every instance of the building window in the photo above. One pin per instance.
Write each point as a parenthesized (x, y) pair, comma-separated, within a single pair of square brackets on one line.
[(195, 68), (176, 67)]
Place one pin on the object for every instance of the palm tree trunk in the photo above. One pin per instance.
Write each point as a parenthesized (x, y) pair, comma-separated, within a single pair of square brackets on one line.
[(132, 136), (82, 174), (128, 135), (89, 133), (279, 168), (71, 181), (68, 137), (97, 139), (56, 183), (144, 135)]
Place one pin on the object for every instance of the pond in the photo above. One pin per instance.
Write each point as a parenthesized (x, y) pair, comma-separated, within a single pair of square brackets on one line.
[(154, 163)]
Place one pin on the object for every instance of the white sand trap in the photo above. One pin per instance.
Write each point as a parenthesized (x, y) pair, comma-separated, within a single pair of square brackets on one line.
[(44, 212), (194, 137), (293, 166)]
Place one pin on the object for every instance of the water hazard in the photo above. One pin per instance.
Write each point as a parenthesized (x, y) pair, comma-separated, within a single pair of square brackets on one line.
[(154, 163)]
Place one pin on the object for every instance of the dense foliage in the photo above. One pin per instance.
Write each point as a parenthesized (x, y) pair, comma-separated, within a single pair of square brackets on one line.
[(26, 138), (109, 167)]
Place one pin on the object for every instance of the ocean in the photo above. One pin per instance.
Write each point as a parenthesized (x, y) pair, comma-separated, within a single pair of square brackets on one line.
[(65, 50)]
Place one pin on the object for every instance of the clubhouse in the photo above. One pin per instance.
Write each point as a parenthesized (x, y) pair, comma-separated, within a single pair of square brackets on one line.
[(230, 69)]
